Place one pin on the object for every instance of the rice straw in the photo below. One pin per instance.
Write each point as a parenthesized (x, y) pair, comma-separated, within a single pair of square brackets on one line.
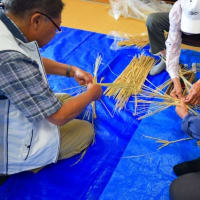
[(130, 81)]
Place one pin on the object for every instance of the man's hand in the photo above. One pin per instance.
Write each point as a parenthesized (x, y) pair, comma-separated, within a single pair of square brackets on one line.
[(177, 92), (182, 110), (74, 106), (194, 94), (95, 91), (82, 77)]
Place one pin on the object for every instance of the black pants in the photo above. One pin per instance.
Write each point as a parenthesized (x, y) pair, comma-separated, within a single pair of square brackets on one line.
[(186, 187), (156, 24)]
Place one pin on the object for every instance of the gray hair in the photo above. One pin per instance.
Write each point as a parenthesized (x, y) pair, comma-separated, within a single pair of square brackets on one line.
[(20, 8)]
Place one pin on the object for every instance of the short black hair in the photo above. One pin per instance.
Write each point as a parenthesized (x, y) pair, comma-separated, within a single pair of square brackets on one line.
[(53, 8)]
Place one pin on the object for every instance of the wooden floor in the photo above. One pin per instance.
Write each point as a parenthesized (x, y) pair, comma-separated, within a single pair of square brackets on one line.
[(93, 15)]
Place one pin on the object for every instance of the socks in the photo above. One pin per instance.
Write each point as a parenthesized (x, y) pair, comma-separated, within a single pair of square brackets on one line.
[(187, 167)]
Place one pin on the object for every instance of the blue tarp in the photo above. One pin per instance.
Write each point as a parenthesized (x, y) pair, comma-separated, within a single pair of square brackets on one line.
[(106, 172)]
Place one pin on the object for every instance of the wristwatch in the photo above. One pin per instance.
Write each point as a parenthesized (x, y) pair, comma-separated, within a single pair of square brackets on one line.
[(68, 71)]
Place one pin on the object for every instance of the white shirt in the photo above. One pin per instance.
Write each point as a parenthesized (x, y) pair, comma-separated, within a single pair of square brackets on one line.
[(174, 40)]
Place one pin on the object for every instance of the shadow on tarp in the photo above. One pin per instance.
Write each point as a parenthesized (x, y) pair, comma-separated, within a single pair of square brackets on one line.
[(88, 178)]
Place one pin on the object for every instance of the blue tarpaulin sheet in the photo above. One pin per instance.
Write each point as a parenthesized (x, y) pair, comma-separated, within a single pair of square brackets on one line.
[(122, 163)]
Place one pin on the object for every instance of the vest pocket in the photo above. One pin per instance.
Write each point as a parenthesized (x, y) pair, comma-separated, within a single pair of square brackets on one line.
[(27, 147)]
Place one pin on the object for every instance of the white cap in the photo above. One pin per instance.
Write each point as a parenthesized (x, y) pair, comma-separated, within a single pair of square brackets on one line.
[(190, 20)]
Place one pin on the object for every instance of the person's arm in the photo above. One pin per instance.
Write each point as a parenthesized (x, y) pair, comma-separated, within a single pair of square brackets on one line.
[(75, 105), (26, 89), (173, 47), (53, 67), (190, 123), (177, 91)]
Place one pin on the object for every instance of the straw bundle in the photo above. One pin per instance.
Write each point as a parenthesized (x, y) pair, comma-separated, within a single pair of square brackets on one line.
[(138, 40), (153, 99), (133, 76), (186, 77), (97, 63)]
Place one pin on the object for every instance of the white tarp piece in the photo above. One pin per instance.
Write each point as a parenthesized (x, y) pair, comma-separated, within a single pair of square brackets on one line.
[(139, 9)]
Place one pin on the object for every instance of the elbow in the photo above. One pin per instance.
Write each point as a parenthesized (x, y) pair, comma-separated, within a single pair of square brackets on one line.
[(59, 122)]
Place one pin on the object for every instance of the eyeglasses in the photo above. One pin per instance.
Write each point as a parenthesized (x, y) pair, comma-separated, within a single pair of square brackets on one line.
[(51, 20)]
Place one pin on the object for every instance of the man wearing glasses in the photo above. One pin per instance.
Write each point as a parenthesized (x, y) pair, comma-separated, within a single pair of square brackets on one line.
[(29, 111)]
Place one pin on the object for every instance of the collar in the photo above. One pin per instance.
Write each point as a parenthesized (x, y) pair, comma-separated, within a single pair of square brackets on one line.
[(12, 27)]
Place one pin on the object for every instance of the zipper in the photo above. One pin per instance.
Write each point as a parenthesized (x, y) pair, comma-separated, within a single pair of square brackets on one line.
[(29, 146)]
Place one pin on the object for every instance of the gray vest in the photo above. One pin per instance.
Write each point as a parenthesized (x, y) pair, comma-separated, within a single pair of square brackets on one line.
[(24, 145)]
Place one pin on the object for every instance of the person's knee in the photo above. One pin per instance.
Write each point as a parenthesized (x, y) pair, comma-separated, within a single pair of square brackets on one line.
[(88, 131), (76, 136), (173, 190), (176, 189), (185, 187), (63, 97), (152, 20)]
